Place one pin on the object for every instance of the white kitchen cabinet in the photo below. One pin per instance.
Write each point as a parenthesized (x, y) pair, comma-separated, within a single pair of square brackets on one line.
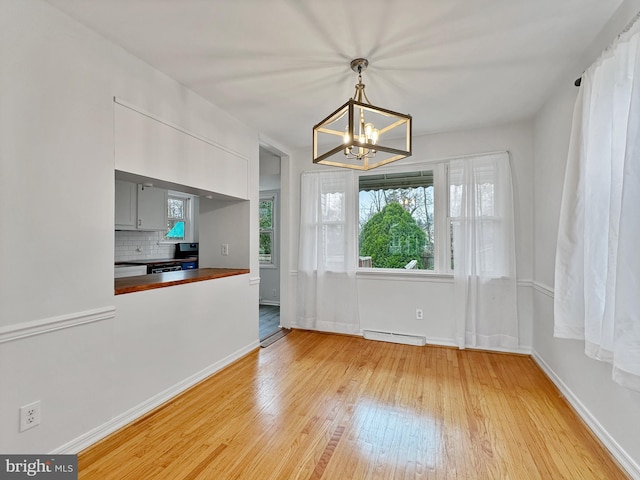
[(126, 205), (152, 208), (138, 207)]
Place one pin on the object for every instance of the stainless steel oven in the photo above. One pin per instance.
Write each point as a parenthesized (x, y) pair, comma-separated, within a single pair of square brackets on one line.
[(164, 268), (188, 255)]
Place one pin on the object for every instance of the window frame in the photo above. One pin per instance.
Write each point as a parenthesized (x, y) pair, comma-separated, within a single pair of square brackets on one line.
[(271, 196), (442, 237)]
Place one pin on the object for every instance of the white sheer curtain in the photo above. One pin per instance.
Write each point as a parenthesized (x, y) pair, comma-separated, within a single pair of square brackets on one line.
[(327, 290), (482, 221), (597, 277)]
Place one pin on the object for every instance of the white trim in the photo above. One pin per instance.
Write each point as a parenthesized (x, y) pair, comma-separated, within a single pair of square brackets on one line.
[(29, 329), (98, 433), (254, 280), (447, 342), (414, 276), (520, 350), (399, 274), (392, 337), (441, 342), (627, 463), (544, 289), (270, 302), (444, 342), (213, 143)]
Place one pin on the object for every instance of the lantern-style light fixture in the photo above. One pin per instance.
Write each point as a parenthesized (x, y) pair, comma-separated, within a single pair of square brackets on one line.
[(360, 135)]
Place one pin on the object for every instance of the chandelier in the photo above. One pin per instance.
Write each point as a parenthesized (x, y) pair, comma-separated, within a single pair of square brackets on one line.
[(360, 135)]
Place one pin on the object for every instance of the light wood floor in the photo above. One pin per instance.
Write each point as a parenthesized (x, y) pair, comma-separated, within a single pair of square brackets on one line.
[(326, 406)]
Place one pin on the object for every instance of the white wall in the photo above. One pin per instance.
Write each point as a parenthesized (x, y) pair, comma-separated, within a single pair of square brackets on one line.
[(610, 410), (389, 302), (95, 360), (224, 223)]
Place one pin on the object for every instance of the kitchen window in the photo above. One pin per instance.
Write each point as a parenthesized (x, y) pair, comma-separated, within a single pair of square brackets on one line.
[(179, 215)]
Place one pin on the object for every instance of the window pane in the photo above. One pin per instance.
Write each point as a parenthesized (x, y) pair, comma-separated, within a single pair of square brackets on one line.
[(334, 245), (397, 220), (485, 202), (175, 230), (265, 247), (266, 214), (175, 208), (265, 211), (333, 208)]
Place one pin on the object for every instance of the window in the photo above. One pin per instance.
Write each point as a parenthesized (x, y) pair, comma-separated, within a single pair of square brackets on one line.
[(179, 224), (473, 196), (331, 223), (398, 220), (266, 252)]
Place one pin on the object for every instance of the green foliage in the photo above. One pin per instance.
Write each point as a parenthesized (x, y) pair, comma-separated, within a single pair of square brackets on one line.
[(266, 233), (266, 214), (392, 238)]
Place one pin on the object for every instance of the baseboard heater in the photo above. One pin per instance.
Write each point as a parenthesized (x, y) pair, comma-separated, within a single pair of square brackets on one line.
[(395, 338)]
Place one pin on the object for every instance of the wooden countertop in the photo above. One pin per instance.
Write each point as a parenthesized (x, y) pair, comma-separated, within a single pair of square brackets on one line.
[(169, 279)]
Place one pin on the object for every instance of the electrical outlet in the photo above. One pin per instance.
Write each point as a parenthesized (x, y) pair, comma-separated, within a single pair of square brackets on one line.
[(29, 416), (419, 314), (225, 249), (274, 293)]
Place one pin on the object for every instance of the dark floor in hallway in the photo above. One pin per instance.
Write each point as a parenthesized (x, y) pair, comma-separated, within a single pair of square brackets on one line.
[(269, 320)]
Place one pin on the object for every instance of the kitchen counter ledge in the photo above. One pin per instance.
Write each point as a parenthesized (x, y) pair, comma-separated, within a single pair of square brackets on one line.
[(142, 283)]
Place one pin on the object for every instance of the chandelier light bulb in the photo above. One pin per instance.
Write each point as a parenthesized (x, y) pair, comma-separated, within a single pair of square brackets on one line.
[(368, 130)]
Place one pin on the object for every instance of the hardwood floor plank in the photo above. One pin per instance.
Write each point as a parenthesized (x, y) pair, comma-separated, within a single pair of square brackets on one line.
[(324, 406)]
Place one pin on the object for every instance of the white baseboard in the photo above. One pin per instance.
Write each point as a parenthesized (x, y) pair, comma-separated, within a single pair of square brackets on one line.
[(521, 350), (98, 433), (447, 342), (626, 462), (441, 342), (416, 340), (270, 302)]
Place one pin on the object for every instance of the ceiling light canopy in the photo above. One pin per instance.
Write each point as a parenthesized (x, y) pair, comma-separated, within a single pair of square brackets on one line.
[(360, 135)]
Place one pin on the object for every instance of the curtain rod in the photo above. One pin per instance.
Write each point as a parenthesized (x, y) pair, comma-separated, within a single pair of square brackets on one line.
[(624, 30)]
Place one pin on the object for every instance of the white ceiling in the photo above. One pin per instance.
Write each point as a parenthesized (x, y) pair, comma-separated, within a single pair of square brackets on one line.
[(281, 66)]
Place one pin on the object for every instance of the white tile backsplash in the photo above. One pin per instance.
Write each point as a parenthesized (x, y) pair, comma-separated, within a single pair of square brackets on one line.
[(134, 245)]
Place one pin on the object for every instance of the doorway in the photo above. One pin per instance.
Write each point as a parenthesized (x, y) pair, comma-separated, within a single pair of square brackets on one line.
[(269, 235)]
